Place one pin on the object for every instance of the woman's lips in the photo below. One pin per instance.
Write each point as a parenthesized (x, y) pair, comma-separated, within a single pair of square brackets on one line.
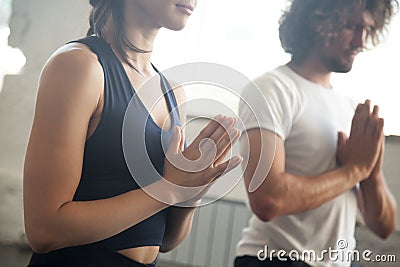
[(186, 8)]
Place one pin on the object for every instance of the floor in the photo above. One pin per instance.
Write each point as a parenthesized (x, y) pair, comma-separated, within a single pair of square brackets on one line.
[(14, 256), (18, 256)]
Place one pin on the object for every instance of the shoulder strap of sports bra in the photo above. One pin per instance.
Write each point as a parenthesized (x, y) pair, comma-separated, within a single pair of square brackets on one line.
[(169, 96)]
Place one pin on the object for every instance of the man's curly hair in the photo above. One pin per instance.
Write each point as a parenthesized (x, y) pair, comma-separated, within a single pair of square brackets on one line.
[(308, 21)]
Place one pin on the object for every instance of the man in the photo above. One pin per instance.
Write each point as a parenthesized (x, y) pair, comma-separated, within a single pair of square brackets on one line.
[(303, 174)]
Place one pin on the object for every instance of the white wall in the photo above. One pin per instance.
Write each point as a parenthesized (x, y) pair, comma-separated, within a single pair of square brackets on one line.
[(38, 27)]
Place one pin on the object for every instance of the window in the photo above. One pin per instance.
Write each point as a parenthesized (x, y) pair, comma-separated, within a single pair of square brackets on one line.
[(12, 59), (243, 35), (375, 76)]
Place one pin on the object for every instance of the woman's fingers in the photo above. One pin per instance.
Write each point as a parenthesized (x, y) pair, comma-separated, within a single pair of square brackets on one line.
[(222, 131), (207, 131), (225, 146), (174, 146), (204, 147), (215, 129), (223, 168), (204, 155), (182, 141)]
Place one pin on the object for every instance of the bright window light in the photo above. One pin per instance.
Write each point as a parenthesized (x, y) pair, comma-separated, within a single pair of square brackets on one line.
[(243, 35), (11, 59)]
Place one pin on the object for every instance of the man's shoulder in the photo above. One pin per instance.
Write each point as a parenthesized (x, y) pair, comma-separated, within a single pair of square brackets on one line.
[(278, 81), (278, 78), (280, 71)]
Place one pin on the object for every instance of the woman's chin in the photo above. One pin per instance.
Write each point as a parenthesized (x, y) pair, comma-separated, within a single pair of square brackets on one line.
[(177, 26)]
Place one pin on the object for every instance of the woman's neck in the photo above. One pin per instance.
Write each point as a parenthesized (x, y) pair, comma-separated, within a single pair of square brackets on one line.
[(143, 40), (141, 32)]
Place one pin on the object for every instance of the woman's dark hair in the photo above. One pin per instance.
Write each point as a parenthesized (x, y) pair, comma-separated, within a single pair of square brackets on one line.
[(308, 21), (102, 12)]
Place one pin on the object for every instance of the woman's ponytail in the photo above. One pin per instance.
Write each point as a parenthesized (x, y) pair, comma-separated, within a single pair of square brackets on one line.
[(101, 12)]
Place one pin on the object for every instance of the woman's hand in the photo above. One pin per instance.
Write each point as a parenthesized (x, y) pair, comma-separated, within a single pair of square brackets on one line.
[(194, 169)]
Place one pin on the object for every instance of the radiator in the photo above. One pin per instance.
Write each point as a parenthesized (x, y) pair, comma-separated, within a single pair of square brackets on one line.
[(215, 233)]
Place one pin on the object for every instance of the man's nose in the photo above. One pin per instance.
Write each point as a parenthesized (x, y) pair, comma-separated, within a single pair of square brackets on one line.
[(360, 37)]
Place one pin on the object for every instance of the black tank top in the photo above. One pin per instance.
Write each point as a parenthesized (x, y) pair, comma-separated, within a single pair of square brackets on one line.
[(105, 173)]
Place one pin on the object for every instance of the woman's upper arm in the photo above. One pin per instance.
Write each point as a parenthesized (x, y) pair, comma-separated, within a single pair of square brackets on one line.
[(69, 90)]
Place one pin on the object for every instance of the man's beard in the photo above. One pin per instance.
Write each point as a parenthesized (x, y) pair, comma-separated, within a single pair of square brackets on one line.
[(335, 65)]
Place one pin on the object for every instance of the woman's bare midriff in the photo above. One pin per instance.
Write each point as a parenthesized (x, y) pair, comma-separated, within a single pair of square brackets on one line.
[(145, 255)]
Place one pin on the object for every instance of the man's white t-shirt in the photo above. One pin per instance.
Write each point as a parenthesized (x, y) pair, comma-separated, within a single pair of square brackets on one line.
[(308, 118)]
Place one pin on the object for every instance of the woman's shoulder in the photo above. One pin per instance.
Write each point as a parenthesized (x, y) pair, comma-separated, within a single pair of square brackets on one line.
[(72, 72), (72, 62), (73, 56)]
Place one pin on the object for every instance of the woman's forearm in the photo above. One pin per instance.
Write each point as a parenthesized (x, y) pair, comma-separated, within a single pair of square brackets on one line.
[(82, 222), (178, 227)]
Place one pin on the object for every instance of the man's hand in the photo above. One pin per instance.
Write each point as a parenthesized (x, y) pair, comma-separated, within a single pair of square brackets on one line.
[(363, 149)]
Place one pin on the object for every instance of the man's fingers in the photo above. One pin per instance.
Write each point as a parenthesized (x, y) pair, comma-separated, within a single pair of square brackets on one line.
[(363, 119), (342, 139), (380, 126), (375, 126), (356, 119), (375, 111)]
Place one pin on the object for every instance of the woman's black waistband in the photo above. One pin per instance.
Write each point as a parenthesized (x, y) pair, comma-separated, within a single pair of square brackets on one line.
[(83, 256)]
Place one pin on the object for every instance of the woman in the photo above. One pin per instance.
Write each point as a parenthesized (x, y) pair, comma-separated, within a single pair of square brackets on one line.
[(81, 205)]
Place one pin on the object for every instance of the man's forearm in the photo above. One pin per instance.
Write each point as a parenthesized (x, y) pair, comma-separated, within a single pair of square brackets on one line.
[(283, 194), (379, 205)]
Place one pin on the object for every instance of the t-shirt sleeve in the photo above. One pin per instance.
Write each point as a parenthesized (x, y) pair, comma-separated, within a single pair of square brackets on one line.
[(267, 104)]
